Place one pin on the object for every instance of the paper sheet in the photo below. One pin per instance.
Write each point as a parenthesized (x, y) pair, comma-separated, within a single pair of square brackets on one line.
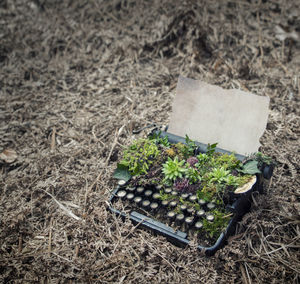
[(209, 114)]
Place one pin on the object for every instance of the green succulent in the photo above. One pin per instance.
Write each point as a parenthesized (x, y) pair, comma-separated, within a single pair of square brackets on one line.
[(218, 175), (173, 169)]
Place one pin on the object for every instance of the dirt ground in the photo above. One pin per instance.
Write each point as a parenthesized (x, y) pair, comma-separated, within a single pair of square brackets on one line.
[(77, 76)]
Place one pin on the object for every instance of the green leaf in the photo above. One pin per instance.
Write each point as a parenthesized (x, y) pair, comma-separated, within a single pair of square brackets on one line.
[(122, 172), (250, 168)]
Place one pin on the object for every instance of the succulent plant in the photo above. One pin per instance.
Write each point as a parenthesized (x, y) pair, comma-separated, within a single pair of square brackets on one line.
[(173, 169), (181, 184), (192, 161)]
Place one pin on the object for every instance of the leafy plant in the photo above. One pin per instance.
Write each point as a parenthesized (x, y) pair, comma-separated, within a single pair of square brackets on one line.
[(122, 172), (190, 147), (263, 159), (250, 168), (173, 169), (202, 158), (211, 148), (193, 175), (227, 161), (159, 140), (218, 175), (139, 156)]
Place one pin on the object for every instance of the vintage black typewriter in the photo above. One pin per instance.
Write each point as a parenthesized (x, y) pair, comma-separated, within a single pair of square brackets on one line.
[(183, 216)]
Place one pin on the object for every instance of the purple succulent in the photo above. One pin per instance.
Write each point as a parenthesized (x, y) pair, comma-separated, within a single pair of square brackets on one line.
[(182, 184), (192, 161)]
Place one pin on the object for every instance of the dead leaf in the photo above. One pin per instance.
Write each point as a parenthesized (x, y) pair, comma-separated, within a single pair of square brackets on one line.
[(281, 34), (9, 155)]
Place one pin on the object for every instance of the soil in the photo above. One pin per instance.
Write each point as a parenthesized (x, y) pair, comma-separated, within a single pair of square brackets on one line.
[(76, 77)]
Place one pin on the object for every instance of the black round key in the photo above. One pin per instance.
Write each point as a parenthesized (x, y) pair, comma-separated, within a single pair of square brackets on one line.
[(121, 193), (174, 193), (146, 204), (154, 206), (210, 205), (165, 203), (121, 182), (168, 190), (137, 200), (179, 218), (171, 215), (130, 196), (183, 207), (156, 196), (189, 220), (130, 189), (184, 196), (190, 210), (193, 198), (148, 193), (198, 225), (202, 202), (200, 213), (140, 190), (210, 217), (173, 204)]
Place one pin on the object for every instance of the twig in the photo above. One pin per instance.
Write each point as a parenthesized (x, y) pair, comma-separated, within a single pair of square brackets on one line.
[(243, 274), (53, 139), (50, 238), (70, 213), (20, 244), (88, 189)]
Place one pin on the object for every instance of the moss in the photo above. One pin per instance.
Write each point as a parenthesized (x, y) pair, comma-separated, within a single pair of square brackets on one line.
[(215, 228)]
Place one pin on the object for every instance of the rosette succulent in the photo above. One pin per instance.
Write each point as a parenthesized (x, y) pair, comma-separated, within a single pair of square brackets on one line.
[(173, 169)]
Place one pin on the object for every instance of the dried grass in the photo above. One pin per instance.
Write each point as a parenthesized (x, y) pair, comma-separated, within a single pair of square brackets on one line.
[(73, 73)]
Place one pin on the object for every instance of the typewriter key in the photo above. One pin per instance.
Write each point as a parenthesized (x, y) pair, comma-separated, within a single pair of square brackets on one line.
[(171, 215), (210, 217), (121, 193), (179, 218), (156, 196), (137, 200), (210, 205), (189, 221), (190, 210), (153, 206), (168, 190), (174, 193), (130, 189), (165, 203), (129, 196), (198, 225), (140, 190), (200, 213), (184, 196), (193, 198), (146, 204), (202, 202), (121, 182), (183, 207), (173, 204), (148, 193), (159, 187)]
